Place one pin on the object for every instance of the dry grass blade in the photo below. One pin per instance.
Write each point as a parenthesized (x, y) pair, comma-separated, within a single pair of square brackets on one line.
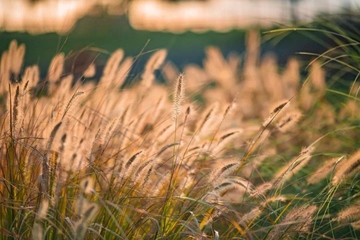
[(127, 162)]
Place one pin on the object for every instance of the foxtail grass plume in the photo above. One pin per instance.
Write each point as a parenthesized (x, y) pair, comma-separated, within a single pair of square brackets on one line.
[(38, 228), (111, 67), (253, 46), (233, 189), (288, 121), (56, 68), (156, 60), (37, 231), (273, 114), (170, 72), (223, 169), (87, 185), (178, 95), (356, 225), (294, 166), (346, 168), (224, 140), (207, 121), (149, 174), (154, 63), (350, 214), (32, 76), (5, 64), (291, 78), (44, 207), (297, 221), (122, 72), (14, 106), (324, 170), (87, 211), (17, 55)]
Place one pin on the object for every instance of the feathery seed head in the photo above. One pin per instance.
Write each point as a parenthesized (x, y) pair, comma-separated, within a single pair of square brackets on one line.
[(87, 185), (346, 168), (178, 95), (56, 68)]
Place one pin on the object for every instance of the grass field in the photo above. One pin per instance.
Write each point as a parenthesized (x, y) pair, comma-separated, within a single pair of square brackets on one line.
[(236, 149)]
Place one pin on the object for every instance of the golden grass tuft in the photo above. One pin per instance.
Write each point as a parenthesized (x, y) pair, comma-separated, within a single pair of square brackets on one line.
[(100, 160), (346, 168)]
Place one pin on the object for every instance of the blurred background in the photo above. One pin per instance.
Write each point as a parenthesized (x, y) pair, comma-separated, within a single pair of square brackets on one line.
[(92, 29)]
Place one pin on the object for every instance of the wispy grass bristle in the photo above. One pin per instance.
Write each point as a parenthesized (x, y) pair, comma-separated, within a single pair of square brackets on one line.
[(299, 220), (324, 170), (178, 95), (274, 113), (288, 121), (223, 169), (117, 158), (350, 214), (346, 168)]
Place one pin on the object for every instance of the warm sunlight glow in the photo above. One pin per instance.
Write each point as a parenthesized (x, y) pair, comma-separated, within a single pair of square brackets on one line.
[(43, 16), (160, 15), (48, 16), (224, 15)]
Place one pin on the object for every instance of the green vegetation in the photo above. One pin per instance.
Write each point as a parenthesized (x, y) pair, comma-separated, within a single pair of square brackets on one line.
[(223, 151)]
